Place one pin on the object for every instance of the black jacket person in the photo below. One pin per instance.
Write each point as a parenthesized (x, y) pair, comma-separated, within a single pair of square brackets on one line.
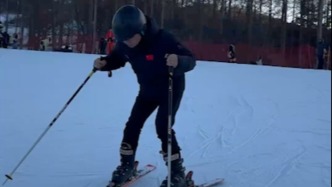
[(150, 51)]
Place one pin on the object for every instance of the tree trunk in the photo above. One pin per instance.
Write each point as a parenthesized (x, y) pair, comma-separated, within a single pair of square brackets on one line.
[(18, 13), (270, 24), (173, 9), (146, 5), (302, 25), (151, 7), (94, 23), (320, 20), (162, 12), (284, 26), (229, 9), (61, 35), (200, 18), (214, 8), (22, 25), (7, 15), (222, 16), (116, 5), (54, 17), (260, 11), (328, 14), (249, 14)]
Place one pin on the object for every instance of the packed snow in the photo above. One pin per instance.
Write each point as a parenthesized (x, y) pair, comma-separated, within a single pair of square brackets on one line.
[(254, 126)]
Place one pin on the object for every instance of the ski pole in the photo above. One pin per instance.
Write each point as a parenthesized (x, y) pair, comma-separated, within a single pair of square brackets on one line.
[(169, 130), (10, 175)]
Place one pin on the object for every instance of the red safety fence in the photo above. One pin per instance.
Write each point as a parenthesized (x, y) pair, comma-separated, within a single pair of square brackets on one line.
[(301, 56)]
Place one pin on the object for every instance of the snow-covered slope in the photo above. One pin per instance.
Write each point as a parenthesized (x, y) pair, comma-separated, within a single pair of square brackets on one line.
[(255, 126)]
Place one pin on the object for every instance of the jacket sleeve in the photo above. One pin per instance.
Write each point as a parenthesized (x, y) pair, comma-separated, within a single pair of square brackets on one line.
[(186, 60), (115, 60)]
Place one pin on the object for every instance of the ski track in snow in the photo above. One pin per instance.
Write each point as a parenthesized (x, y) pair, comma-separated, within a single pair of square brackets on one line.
[(287, 165), (249, 109), (232, 121), (284, 165)]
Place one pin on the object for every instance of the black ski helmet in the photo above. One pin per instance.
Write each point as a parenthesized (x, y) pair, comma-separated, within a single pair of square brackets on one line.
[(128, 21)]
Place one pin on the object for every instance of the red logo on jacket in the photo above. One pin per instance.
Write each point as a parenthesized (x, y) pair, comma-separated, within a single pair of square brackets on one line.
[(149, 57)]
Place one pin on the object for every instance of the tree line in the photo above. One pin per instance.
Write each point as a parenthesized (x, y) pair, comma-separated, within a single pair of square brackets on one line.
[(274, 23)]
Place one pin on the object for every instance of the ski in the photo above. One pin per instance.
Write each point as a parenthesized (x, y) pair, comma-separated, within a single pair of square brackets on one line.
[(139, 174), (210, 183)]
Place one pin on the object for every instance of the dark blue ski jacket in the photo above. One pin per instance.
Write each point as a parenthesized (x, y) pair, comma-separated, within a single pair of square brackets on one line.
[(149, 63)]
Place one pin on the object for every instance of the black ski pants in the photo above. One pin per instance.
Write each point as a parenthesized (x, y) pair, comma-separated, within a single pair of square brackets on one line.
[(142, 109)]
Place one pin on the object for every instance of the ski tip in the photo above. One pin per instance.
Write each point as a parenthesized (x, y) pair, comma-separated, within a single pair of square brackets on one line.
[(189, 175), (9, 177), (219, 180), (211, 183), (112, 184), (150, 166)]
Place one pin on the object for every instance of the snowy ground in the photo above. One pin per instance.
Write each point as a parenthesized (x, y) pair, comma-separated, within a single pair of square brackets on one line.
[(255, 126)]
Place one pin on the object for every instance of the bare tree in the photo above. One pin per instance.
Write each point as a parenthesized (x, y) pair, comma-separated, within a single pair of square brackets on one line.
[(53, 22), (200, 14), (7, 15), (214, 8), (221, 18), (284, 17), (229, 9), (151, 7), (320, 20), (162, 13), (94, 22), (249, 20)]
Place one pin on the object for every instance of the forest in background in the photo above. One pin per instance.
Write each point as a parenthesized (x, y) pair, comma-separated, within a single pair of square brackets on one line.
[(278, 24)]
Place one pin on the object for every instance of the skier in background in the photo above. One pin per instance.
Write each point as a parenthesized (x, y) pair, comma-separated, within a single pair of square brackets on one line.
[(1, 35), (110, 41), (42, 46), (15, 41), (231, 53), (102, 46), (150, 51), (4, 37), (321, 53)]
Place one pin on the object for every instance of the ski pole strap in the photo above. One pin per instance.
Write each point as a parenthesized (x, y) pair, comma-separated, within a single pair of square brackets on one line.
[(170, 72)]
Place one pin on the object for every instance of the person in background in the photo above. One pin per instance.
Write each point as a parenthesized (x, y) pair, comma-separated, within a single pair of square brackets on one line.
[(321, 53), (42, 46), (15, 41), (259, 61), (1, 35), (110, 41), (47, 43), (231, 53), (151, 51), (4, 37), (102, 45), (326, 55)]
